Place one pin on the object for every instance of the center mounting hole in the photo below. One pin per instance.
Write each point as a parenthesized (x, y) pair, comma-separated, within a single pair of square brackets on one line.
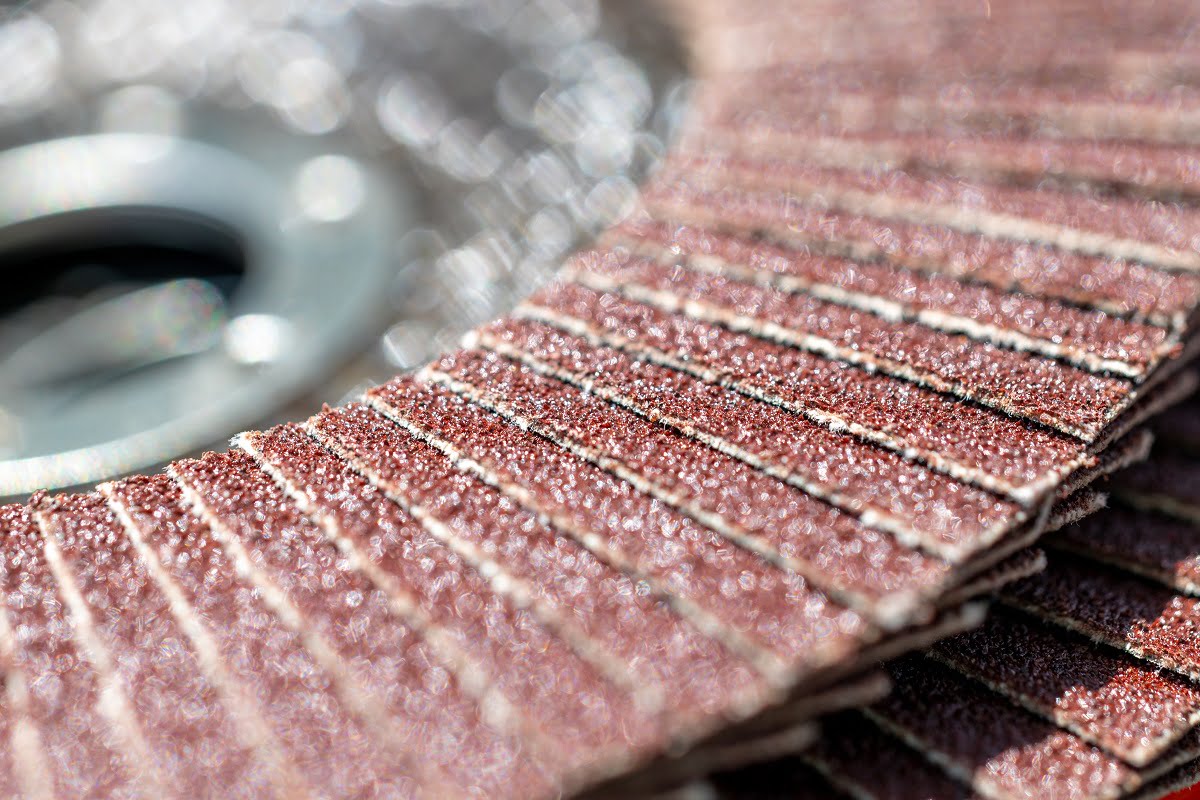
[(92, 297), (77, 255)]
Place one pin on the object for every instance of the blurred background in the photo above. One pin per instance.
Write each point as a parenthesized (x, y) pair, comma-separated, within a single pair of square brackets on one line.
[(218, 214)]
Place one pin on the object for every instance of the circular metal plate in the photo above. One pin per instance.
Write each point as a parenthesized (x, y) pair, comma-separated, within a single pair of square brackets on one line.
[(394, 172), (187, 367)]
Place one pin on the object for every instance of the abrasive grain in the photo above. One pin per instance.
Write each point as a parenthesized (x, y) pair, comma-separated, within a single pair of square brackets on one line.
[(973, 444), (179, 711), (1019, 383), (321, 738), (836, 552), (1111, 285), (562, 585), (1166, 549), (1155, 170), (626, 443), (1147, 620), (81, 756), (1085, 337), (387, 667), (921, 506), (1001, 750), (1046, 105), (1157, 233), (1125, 706), (776, 610)]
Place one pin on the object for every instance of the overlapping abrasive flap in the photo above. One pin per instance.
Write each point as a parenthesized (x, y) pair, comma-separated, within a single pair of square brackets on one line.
[(1083, 682), (744, 254), (1100, 650), (422, 563), (1004, 52), (792, 420), (275, 553), (411, 573), (556, 556)]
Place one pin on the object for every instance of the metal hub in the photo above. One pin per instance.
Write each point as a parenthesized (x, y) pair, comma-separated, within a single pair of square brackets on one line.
[(134, 372), (219, 215)]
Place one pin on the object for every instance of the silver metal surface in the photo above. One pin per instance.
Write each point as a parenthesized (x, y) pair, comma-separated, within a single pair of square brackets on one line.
[(392, 172), (180, 367)]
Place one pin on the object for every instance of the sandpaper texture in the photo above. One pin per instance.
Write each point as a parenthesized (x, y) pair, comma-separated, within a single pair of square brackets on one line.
[(918, 504), (1157, 234), (1000, 749), (1018, 383), (1085, 337), (1125, 706), (1048, 691), (1145, 619), (162, 707), (885, 317), (915, 49), (742, 124), (66, 745), (513, 566), (287, 705), (1082, 663), (1113, 285), (1146, 542), (690, 562), (378, 650), (973, 444), (1048, 108), (649, 456)]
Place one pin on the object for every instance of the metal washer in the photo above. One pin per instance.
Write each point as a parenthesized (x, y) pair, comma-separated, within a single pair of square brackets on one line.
[(313, 227)]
